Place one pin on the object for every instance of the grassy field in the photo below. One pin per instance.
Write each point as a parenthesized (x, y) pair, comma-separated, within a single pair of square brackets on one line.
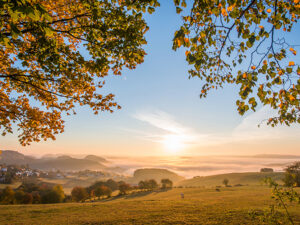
[(250, 178), (200, 206), (14, 185)]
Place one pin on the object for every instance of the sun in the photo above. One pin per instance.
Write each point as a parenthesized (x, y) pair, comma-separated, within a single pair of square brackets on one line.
[(173, 143)]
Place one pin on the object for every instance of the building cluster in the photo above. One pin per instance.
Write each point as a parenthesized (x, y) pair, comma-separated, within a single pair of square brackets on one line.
[(11, 173)]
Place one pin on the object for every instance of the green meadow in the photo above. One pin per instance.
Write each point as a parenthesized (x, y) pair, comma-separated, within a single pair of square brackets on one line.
[(230, 205)]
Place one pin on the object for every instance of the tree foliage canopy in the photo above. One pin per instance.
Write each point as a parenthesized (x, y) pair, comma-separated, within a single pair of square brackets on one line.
[(55, 54), (243, 43)]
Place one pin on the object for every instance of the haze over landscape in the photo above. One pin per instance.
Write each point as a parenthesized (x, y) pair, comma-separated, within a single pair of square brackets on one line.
[(170, 154)]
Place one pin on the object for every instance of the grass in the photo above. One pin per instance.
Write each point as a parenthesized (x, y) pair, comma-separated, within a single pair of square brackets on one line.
[(14, 185), (250, 178), (200, 206)]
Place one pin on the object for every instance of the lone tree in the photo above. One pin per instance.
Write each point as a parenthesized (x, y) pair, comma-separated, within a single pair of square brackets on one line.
[(225, 182), (55, 54), (243, 43), (166, 183), (292, 175)]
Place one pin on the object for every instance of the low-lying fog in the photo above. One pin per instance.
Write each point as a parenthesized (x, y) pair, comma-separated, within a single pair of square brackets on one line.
[(205, 165)]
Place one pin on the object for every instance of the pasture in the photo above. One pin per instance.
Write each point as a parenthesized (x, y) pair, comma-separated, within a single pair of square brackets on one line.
[(230, 205)]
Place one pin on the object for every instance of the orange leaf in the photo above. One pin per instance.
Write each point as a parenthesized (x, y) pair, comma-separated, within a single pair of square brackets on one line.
[(292, 98), (291, 63)]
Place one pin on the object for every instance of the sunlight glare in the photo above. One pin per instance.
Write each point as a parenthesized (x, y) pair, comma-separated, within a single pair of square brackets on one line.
[(173, 143)]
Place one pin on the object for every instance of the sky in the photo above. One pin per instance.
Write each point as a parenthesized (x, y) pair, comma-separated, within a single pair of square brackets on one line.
[(162, 114)]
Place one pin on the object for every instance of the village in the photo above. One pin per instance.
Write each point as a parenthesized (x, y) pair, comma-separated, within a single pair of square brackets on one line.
[(12, 173)]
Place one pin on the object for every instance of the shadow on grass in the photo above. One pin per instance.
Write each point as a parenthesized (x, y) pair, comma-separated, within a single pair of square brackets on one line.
[(133, 195)]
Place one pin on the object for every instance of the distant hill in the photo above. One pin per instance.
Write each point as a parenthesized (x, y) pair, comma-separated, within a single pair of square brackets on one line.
[(13, 157), (96, 158), (67, 163), (250, 178), (157, 174), (64, 162)]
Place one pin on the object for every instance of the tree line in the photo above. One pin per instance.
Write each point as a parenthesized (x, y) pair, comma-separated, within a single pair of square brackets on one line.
[(44, 193), (30, 193)]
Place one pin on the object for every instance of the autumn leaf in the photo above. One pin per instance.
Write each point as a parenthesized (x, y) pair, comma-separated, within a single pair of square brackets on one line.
[(292, 98), (291, 63), (41, 58)]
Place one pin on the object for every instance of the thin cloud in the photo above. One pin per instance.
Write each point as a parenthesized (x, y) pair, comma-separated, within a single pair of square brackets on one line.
[(161, 120), (247, 130), (170, 130)]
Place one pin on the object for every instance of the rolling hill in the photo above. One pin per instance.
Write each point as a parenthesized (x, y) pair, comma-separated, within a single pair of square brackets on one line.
[(153, 173), (250, 178), (234, 206)]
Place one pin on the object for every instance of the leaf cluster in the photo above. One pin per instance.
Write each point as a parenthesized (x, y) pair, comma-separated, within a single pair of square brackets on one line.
[(243, 43), (54, 56)]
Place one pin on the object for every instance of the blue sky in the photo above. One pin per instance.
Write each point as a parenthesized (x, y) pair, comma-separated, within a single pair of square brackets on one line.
[(162, 113)]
